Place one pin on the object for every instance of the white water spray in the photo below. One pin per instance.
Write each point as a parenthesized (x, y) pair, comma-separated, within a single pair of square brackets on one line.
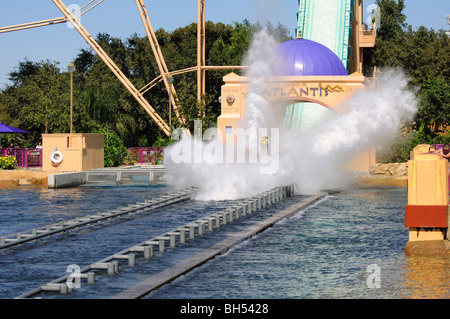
[(371, 117), (314, 160), (261, 58)]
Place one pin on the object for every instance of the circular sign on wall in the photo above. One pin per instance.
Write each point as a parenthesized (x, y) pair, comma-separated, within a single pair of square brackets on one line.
[(230, 98)]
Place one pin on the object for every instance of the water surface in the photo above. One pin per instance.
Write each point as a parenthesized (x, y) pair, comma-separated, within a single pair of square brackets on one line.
[(326, 251)]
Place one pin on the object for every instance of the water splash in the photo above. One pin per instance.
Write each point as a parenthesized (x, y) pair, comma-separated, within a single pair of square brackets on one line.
[(313, 160), (371, 117), (262, 59)]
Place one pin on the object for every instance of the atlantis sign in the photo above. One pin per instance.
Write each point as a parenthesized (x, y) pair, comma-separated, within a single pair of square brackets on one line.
[(299, 90)]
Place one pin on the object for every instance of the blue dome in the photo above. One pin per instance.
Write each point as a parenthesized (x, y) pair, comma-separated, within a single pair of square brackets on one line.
[(302, 57)]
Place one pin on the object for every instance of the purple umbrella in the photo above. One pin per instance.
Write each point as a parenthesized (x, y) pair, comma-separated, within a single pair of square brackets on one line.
[(9, 129)]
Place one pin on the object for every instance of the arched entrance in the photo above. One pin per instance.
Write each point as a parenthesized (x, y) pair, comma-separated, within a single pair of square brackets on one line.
[(323, 91), (327, 91), (301, 116)]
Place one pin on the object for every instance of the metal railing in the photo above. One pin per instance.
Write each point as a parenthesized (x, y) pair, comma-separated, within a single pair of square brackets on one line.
[(152, 155), (32, 157), (25, 157)]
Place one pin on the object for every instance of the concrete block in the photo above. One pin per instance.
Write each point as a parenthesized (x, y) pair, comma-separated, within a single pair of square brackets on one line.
[(67, 179)]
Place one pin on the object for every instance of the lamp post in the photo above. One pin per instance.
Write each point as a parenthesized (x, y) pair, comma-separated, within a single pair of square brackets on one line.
[(170, 81), (71, 68)]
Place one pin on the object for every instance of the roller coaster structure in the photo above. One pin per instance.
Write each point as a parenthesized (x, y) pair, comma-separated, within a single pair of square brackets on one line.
[(165, 74)]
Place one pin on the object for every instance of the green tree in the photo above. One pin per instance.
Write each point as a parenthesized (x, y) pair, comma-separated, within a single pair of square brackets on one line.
[(393, 19), (424, 55), (24, 69), (391, 39), (114, 149), (434, 111), (38, 101)]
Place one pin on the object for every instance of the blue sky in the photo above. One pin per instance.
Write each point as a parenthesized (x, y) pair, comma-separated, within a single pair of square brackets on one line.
[(120, 18)]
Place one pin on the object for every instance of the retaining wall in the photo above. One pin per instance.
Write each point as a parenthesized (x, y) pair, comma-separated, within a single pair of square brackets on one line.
[(393, 174), (20, 177), (62, 180)]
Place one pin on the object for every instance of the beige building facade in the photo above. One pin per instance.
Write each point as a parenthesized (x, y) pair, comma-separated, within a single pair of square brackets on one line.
[(328, 91), (72, 152)]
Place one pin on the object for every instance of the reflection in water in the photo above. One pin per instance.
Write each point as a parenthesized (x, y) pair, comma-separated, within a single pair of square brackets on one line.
[(427, 277)]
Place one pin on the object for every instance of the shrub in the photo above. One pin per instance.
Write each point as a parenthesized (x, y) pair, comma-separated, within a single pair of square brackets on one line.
[(399, 151), (161, 142), (8, 162), (115, 151), (131, 158)]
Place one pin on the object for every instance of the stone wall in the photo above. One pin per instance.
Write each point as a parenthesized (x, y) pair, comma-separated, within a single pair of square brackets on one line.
[(394, 174), (389, 170)]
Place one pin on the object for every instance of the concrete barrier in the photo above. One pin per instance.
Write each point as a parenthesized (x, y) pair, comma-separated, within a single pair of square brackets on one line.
[(197, 227), (66, 225), (67, 179), (168, 275)]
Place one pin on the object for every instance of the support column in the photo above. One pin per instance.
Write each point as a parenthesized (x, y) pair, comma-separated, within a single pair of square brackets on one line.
[(201, 51), (426, 214), (159, 57), (112, 66)]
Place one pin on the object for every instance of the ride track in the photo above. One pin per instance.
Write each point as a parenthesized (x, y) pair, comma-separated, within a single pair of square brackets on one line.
[(120, 212), (189, 231)]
